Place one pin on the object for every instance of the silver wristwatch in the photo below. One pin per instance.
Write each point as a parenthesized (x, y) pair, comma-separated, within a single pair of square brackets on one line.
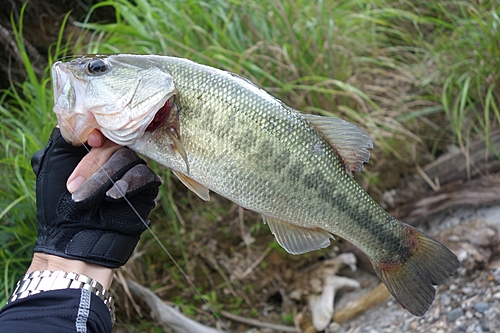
[(39, 281)]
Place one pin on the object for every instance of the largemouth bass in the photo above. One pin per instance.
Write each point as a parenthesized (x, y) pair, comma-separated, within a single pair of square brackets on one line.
[(217, 131)]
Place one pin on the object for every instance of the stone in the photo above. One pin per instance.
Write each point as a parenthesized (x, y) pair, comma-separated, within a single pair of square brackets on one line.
[(454, 314), (481, 307), (467, 291), (485, 325), (445, 299), (336, 328), (496, 276)]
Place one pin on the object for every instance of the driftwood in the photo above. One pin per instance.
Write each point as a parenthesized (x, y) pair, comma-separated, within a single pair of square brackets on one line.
[(258, 323), (173, 319), (461, 178), (166, 314), (479, 160), (356, 308), (484, 191)]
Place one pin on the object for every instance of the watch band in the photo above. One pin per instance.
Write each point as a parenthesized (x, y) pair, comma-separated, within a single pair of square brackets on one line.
[(39, 281)]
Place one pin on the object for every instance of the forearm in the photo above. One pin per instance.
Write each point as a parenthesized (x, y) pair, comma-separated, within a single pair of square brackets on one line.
[(43, 261)]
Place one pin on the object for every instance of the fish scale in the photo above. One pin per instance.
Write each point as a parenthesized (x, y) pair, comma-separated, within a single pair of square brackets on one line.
[(258, 151), (226, 135)]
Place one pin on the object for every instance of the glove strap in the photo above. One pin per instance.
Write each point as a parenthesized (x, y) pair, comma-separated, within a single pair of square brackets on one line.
[(108, 249)]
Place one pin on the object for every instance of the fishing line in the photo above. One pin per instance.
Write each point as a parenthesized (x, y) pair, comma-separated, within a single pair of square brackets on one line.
[(153, 234)]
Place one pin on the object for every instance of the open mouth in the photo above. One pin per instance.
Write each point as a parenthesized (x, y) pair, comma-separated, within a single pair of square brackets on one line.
[(161, 115)]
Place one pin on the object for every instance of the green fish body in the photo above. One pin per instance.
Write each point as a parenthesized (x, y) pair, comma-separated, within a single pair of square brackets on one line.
[(217, 131)]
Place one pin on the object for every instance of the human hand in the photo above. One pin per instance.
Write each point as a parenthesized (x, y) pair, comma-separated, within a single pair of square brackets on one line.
[(100, 226), (101, 151)]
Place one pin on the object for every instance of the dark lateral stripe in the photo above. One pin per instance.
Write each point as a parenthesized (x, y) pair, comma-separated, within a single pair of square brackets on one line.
[(341, 202)]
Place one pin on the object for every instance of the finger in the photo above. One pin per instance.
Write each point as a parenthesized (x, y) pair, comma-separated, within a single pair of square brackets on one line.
[(92, 162), (115, 167), (96, 139), (135, 180)]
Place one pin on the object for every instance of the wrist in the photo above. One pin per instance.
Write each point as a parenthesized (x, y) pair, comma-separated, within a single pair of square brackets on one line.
[(43, 261)]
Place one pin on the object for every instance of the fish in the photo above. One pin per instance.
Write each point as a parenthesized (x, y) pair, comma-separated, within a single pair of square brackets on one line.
[(220, 132)]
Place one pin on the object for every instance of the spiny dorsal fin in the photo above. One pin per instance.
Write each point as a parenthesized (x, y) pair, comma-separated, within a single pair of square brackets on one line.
[(295, 239), (350, 141), (199, 189)]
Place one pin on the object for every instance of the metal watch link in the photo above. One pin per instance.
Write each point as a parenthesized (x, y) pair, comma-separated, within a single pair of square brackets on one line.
[(40, 281)]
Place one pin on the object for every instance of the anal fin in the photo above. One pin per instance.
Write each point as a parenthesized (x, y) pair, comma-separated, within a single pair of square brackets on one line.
[(200, 190), (295, 239)]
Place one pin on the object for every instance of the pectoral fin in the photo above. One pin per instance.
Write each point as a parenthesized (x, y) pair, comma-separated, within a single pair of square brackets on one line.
[(179, 147), (297, 240), (199, 189)]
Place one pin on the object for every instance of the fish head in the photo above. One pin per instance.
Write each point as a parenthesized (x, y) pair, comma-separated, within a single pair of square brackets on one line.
[(120, 95)]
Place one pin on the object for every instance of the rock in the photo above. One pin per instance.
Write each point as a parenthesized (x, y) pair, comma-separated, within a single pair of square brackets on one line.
[(485, 325), (445, 299), (467, 291), (474, 329), (481, 307), (454, 314), (496, 276), (336, 328), (469, 315)]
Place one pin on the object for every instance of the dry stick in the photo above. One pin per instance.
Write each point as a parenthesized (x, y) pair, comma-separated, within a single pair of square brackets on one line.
[(255, 263), (213, 261), (178, 214), (359, 306), (166, 314), (245, 236), (125, 286), (422, 173), (258, 323)]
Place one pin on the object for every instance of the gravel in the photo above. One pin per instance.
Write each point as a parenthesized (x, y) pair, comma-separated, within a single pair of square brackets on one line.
[(469, 302), (453, 311)]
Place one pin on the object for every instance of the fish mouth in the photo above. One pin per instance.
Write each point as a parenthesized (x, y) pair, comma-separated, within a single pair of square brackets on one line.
[(64, 102), (76, 122), (161, 115)]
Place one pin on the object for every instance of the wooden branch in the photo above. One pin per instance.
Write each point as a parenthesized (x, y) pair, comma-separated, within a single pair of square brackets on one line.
[(257, 323), (167, 315), (479, 160), (484, 191), (461, 178), (356, 308)]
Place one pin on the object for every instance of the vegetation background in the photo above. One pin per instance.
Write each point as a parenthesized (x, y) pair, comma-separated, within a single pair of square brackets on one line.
[(422, 77)]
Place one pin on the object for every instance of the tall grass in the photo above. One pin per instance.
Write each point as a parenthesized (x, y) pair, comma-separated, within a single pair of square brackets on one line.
[(25, 124), (417, 75), (381, 64)]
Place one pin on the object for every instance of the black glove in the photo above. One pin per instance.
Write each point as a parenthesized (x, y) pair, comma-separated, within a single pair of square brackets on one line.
[(100, 226)]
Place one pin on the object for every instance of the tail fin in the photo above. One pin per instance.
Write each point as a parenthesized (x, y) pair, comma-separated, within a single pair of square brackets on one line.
[(411, 279)]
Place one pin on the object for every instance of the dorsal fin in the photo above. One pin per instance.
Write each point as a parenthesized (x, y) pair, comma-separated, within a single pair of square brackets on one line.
[(350, 141)]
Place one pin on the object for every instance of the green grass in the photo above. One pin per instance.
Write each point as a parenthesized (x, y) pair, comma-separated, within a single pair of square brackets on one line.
[(418, 75)]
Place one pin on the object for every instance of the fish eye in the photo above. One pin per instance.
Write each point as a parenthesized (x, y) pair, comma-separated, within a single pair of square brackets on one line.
[(97, 66)]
